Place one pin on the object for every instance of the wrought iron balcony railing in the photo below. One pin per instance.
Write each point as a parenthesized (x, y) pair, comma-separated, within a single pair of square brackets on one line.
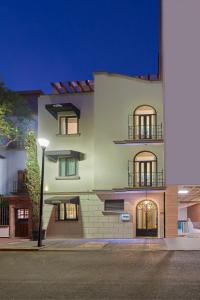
[(145, 180), (151, 132), (19, 184), (19, 188), (18, 144)]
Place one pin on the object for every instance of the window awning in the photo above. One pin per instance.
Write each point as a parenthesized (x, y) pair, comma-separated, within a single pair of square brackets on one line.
[(54, 109), (54, 155), (62, 199)]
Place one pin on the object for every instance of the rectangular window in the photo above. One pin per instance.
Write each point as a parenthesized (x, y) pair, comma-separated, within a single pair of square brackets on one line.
[(67, 167), (68, 125), (114, 205), (22, 213), (67, 211)]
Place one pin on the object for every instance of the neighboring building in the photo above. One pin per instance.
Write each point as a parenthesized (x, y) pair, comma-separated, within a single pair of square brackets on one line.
[(13, 177), (104, 169)]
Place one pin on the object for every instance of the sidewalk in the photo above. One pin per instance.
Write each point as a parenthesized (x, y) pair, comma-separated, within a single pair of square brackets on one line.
[(137, 244)]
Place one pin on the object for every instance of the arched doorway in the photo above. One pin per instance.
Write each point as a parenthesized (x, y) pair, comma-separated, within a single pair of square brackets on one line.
[(144, 122), (147, 219), (145, 169)]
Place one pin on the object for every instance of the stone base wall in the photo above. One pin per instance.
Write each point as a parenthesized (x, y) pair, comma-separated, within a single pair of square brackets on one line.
[(94, 222)]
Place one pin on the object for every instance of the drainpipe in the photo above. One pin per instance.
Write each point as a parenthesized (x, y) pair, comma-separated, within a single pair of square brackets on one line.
[(164, 215)]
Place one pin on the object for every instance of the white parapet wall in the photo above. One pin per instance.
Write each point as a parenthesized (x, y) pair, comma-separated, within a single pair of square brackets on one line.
[(4, 231)]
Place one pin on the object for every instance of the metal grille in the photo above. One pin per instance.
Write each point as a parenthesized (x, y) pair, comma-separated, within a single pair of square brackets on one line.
[(145, 179), (4, 211), (148, 131), (113, 205)]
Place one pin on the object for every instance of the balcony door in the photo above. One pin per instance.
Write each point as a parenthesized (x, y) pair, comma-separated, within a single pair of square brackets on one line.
[(145, 169), (144, 120), (145, 173)]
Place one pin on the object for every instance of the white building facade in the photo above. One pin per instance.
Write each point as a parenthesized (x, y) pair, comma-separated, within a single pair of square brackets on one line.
[(104, 168)]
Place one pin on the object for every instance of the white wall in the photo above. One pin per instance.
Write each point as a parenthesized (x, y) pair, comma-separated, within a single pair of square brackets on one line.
[(182, 214), (14, 160), (181, 65), (84, 143), (116, 97), (104, 118), (3, 174)]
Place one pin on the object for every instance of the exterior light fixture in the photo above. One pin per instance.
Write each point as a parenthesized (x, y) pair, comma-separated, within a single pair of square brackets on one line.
[(44, 143), (183, 192)]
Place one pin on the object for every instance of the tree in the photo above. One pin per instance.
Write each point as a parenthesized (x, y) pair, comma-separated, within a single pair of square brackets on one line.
[(15, 116), (33, 175)]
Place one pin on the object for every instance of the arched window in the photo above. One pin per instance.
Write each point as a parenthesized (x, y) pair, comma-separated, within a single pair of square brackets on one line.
[(147, 218), (144, 122), (145, 169)]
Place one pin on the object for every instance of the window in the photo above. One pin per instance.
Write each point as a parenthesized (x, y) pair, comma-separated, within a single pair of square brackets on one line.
[(67, 211), (4, 212), (113, 205), (68, 125), (22, 213), (67, 167)]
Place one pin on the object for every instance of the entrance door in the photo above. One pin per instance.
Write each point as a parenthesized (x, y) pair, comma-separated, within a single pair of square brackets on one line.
[(147, 219), (145, 126), (21, 222), (145, 173)]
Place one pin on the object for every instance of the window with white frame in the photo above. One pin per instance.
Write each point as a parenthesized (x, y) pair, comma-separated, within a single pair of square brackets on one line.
[(68, 166), (68, 125)]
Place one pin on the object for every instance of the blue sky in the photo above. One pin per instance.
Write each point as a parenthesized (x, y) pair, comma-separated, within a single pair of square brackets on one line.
[(45, 41)]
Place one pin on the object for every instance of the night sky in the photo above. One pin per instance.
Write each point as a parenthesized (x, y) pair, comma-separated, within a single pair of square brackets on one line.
[(47, 40)]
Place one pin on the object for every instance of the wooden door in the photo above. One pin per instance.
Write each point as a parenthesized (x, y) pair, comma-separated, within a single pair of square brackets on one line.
[(21, 222)]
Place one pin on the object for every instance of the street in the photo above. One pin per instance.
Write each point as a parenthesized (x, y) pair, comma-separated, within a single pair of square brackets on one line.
[(100, 275)]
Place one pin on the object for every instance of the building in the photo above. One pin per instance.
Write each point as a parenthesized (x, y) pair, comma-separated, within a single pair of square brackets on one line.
[(13, 178), (104, 168)]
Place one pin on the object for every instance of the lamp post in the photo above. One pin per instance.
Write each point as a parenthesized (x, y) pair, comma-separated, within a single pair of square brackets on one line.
[(43, 144)]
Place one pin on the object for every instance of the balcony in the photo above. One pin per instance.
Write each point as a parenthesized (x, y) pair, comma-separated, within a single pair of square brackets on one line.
[(146, 180), (143, 130), (18, 144), (19, 184)]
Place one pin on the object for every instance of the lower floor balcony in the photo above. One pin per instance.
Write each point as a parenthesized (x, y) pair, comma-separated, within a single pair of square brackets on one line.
[(146, 180)]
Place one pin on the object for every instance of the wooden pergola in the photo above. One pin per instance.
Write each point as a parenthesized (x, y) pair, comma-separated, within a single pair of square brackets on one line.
[(71, 87)]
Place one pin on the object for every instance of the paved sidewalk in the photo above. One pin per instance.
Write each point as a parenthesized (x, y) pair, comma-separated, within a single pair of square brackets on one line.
[(137, 244), (85, 244)]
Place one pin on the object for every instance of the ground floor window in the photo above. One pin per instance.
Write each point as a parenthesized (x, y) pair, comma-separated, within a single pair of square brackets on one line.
[(22, 213), (67, 211), (4, 212)]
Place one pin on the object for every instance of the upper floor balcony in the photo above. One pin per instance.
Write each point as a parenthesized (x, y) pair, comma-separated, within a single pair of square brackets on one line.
[(145, 171), (18, 144), (143, 127), (19, 183)]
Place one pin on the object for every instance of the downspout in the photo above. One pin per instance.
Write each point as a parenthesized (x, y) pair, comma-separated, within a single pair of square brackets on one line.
[(164, 221)]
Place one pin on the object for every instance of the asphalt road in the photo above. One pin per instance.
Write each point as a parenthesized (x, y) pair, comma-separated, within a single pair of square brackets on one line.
[(100, 275)]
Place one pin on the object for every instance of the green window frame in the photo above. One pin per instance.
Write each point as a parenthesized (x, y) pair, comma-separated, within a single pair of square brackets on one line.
[(68, 166)]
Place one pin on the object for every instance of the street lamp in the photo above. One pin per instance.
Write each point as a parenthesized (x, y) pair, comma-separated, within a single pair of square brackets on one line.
[(43, 144)]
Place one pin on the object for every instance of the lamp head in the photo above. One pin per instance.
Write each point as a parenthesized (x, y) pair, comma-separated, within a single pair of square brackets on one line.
[(44, 143), (183, 192)]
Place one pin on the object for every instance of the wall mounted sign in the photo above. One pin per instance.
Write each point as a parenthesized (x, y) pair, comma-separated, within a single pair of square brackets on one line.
[(125, 217)]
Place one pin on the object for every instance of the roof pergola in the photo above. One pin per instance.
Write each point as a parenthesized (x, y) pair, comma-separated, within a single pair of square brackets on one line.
[(72, 87)]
